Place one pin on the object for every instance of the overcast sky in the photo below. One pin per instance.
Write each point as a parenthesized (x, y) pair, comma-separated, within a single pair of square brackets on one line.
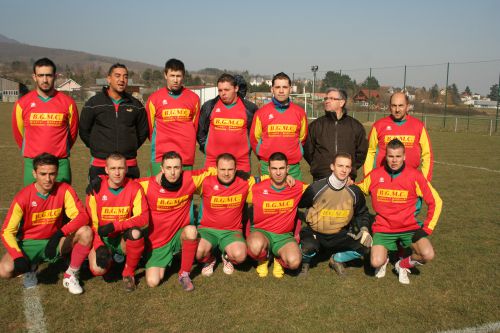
[(267, 37)]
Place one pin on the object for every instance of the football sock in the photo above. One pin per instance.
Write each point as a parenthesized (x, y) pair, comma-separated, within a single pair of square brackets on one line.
[(346, 256), (206, 259), (78, 255), (188, 253), (134, 252), (406, 263)]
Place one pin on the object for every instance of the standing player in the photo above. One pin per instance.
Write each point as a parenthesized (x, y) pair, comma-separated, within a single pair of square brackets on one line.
[(225, 122), (336, 211), (45, 120), (409, 130), (280, 124), (274, 217), (113, 121), (173, 118), (394, 189), (223, 198), (169, 197), (119, 213), (33, 230)]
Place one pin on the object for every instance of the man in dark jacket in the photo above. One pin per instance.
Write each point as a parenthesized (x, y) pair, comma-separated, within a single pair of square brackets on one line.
[(333, 133), (113, 121)]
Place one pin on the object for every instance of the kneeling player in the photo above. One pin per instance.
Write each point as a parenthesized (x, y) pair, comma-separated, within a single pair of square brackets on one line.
[(169, 197), (395, 189), (275, 208), (335, 211), (119, 213), (33, 230)]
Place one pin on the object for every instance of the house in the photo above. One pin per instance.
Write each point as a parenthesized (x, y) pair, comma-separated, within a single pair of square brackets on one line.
[(10, 90), (485, 104), (364, 95), (68, 85), (204, 93)]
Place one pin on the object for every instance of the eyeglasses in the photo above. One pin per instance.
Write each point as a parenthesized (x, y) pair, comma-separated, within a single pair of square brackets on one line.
[(332, 99)]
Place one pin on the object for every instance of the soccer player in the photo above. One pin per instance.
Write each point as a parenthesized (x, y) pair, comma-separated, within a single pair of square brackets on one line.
[(223, 198), (33, 230), (282, 124), (169, 196), (113, 121), (337, 218), (173, 114), (274, 218), (394, 189), (225, 123), (333, 133), (119, 213), (409, 130), (45, 120)]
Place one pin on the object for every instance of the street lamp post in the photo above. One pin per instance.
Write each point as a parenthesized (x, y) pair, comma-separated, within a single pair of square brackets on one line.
[(314, 69)]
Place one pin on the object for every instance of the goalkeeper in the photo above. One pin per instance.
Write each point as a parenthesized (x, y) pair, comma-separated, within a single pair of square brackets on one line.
[(337, 218)]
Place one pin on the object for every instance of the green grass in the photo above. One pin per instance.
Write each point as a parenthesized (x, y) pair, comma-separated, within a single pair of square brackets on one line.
[(458, 289)]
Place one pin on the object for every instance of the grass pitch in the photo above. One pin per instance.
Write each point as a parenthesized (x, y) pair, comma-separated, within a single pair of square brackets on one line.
[(459, 289)]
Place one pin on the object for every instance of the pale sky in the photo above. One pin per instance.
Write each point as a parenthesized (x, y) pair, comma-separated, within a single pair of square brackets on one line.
[(267, 37)]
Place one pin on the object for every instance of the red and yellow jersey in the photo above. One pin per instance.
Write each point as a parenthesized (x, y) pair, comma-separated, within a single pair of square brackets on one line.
[(394, 199), (222, 206), (125, 207), (411, 133), (173, 122), (35, 216), (274, 209), (169, 210), (41, 125), (228, 133), (276, 130)]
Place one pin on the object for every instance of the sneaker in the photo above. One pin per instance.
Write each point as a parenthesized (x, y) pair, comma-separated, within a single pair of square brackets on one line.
[(305, 270), (402, 273), (338, 267), (71, 282), (30, 280), (228, 266), (380, 272), (262, 269), (278, 270), (208, 268), (129, 283), (186, 282)]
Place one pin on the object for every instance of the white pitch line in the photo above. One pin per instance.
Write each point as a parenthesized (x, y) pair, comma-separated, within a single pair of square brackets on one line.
[(33, 311), (467, 166), (490, 327)]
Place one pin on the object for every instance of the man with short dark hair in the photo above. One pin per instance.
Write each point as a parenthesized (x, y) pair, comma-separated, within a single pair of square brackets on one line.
[(225, 123), (395, 190), (119, 213), (280, 124), (337, 218), (274, 219), (45, 120), (33, 230), (173, 114), (113, 121), (333, 133)]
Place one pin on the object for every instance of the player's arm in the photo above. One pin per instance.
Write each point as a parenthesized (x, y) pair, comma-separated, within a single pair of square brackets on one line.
[(255, 132), (364, 185), (361, 214), (150, 113), (141, 125), (74, 211), (140, 214), (11, 227), (73, 122), (196, 114), (432, 199), (91, 204), (198, 176), (18, 124), (361, 149), (87, 118), (371, 154), (303, 130), (307, 199), (250, 109), (309, 145), (427, 158), (204, 123)]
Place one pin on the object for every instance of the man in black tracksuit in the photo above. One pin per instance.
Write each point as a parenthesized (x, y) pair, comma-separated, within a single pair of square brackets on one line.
[(333, 133), (113, 121)]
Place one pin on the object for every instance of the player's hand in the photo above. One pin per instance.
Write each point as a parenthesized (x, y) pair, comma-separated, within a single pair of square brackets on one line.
[(290, 181), (102, 257), (105, 230), (94, 186), (21, 265), (242, 174), (51, 248), (363, 236), (349, 181), (419, 234)]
